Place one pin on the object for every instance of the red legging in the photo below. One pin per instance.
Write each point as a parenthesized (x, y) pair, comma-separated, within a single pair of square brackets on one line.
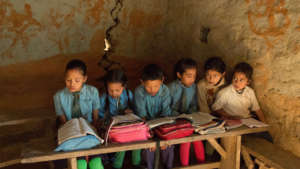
[(185, 152)]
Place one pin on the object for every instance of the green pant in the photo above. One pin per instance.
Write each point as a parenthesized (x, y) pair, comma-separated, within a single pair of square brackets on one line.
[(94, 163), (119, 158)]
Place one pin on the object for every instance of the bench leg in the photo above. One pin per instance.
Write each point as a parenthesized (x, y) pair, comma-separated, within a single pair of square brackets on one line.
[(247, 159), (232, 146), (72, 163)]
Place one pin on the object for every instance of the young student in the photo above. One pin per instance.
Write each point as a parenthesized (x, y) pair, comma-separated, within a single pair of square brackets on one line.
[(183, 100), (238, 99), (207, 87), (152, 100), (76, 100), (117, 100)]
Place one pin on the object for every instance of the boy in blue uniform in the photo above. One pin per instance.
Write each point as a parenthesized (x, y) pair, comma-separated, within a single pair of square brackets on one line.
[(152, 100), (183, 100)]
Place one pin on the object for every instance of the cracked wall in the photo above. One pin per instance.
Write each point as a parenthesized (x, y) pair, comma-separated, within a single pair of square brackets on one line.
[(38, 38)]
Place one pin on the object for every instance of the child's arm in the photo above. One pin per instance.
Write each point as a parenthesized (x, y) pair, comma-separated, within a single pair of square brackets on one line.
[(139, 102), (96, 106), (194, 105), (102, 100), (260, 115), (62, 119), (130, 103), (166, 102), (201, 98), (59, 110), (255, 107)]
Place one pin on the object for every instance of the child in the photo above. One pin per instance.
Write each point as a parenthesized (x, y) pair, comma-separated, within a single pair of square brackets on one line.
[(152, 100), (78, 100), (183, 100), (237, 100), (116, 101), (207, 88)]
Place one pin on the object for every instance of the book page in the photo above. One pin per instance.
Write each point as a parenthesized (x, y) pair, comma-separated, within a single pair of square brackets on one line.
[(71, 129), (87, 129), (251, 122), (198, 118), (125, 118)]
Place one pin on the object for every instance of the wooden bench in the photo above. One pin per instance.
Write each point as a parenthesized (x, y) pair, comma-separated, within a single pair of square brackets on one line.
[(267, 155)]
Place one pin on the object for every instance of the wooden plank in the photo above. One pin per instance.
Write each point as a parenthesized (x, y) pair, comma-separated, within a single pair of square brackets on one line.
[(271, 154), (9, 163), (101, 150), (196, 137), (217, 146), (238, 152), (138, 145), (201, 166), (72, 163), (229, 144), (247, 158)]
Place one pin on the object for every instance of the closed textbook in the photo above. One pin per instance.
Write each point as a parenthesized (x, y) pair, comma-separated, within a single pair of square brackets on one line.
[(77, 127)]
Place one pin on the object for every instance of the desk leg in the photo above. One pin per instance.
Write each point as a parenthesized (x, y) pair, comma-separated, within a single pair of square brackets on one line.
[(72, 163), (232, 146)]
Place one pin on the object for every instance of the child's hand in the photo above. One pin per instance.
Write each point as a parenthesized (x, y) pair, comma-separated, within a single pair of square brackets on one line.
[(152, 149), (128, 111), (163, 147)]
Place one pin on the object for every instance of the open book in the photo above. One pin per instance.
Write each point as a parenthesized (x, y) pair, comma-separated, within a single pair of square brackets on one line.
[(196, 118), (251, 122), (75, 128)]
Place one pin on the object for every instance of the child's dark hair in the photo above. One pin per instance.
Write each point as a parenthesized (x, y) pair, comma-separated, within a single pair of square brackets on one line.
[(152, 72), (215, 63), (76, 64), (183, 64), (245, 68), (115, 76)]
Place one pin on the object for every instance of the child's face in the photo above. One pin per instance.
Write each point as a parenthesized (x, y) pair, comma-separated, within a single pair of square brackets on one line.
[(188, 77), (115, 89), (74, 80), (239, 81), (152, 86), (213, 76)]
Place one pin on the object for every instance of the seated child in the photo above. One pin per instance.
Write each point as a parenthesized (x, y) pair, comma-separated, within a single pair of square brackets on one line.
[(183, 100), (238, 99), (152, 100), (207, 87), (76, 100), (116, 101)]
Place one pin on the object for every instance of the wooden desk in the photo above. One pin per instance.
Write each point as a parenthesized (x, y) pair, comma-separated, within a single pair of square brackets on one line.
[(229, 149)]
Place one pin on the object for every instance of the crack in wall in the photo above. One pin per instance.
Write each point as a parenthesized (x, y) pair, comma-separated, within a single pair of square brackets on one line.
[(106, 62)]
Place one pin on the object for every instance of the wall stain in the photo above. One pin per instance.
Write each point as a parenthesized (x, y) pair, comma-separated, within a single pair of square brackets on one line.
[(93, 13), (19, 25), (271, 9)]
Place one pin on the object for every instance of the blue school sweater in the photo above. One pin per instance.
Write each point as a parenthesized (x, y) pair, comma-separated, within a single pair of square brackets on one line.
[(183, 99), (115, 106), (151, 107), (88, 100)]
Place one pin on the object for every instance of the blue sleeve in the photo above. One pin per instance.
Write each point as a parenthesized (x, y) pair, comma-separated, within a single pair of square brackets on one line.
[(172, 90), (130, 97), (140, 104), (194, 104), (102, 105), (166, 102), (57, 105), (95, 97)]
